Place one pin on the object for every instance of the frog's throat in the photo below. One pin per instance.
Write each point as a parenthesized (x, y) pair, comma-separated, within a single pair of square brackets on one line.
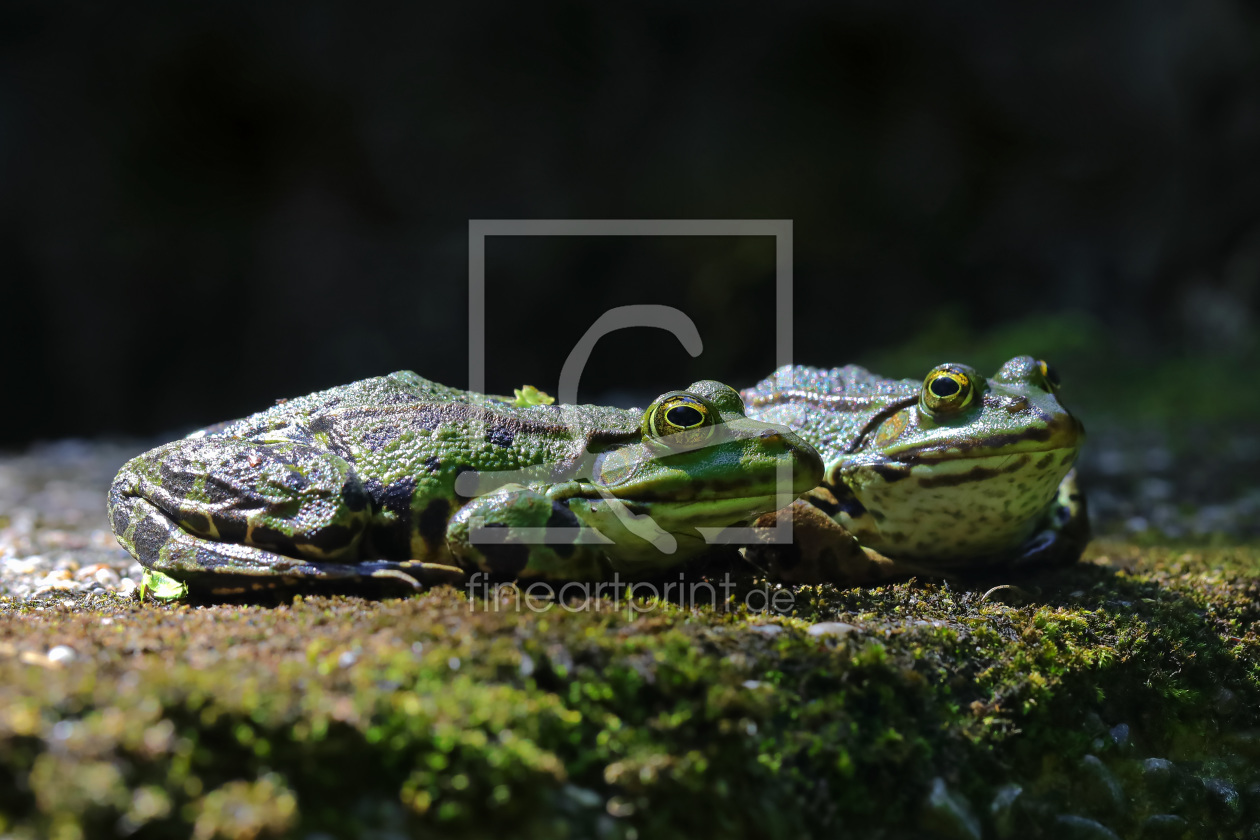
[(964, 507)]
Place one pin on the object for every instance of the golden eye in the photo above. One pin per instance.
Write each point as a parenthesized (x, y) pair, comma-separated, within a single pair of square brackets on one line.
[(1050, 375), (947, 391), (679, 419)]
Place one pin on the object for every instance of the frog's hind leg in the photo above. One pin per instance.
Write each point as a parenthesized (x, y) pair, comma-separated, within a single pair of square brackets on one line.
[(232, 515), (160, 544)]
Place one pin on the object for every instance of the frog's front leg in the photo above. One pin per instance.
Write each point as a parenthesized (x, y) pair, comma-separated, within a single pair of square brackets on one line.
[(224, 513), (517, 532), (817, 550)]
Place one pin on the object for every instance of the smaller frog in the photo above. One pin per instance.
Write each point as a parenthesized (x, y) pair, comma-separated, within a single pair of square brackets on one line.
[(955, 472), (406, 481)]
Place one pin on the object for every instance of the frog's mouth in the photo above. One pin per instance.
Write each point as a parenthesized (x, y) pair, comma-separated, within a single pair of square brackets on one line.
[(951, 470)]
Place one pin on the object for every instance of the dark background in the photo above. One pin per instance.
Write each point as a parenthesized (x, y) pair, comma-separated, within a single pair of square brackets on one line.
[(206, 206)]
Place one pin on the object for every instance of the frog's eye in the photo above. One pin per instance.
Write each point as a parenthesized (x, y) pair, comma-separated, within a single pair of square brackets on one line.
[(1050, 376), (679, 419), (947, 390)]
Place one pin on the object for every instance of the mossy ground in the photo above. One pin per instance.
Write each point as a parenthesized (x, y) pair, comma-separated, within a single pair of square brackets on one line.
[(1123, 693)]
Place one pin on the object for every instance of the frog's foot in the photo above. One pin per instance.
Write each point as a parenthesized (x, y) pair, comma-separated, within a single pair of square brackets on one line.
[(517, 532), (219, 568), (820, 550)]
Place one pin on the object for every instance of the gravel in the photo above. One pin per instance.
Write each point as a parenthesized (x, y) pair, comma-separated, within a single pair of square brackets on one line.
[(54, 537)]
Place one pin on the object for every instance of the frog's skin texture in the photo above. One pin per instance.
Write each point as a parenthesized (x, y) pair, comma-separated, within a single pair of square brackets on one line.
[(947, 473), (392, 478)]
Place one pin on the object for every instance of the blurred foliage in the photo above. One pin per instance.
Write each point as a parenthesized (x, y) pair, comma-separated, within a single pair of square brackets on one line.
[(1103, 377)]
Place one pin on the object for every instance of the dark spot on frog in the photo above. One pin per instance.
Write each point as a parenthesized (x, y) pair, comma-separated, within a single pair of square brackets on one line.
[(149, 536), (195, 523), (332, 538), (503, 559), (120, 516), (891, 473), (500, 436), (322, 425), (826, 501), (849, 503), (378, 438), (231, 527), (261, 536), (391, 538), (634, 507), (432, 464), (208, 560), (1044, 461), (729, 487), (177, 477), (295, 481), (561, 517), (353, 494), (973, 474), (431, 524)]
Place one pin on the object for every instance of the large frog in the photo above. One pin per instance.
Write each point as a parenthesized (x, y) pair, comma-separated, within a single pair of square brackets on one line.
[(402, 479), (936, 476)]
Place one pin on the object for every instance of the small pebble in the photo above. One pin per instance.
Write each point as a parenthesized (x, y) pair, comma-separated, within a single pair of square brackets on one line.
[(61, 653), (1102, 792), (948, 813), (1002, 809), (831, 628), (1121, 736), (1224, 800), (1158, 774), (107, 577)]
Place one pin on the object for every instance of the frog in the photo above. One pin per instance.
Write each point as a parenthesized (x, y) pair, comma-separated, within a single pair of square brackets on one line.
[(945, 476), (399, 481)]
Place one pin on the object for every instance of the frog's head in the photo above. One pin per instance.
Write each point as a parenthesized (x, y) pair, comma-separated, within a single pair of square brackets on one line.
[(964, 468), (697, 461)]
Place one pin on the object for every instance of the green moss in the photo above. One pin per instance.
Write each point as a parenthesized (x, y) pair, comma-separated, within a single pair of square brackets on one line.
[(943, 711)]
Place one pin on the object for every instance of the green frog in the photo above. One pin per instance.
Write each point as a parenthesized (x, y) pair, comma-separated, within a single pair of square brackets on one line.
[(406, 481), (936, 476)]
